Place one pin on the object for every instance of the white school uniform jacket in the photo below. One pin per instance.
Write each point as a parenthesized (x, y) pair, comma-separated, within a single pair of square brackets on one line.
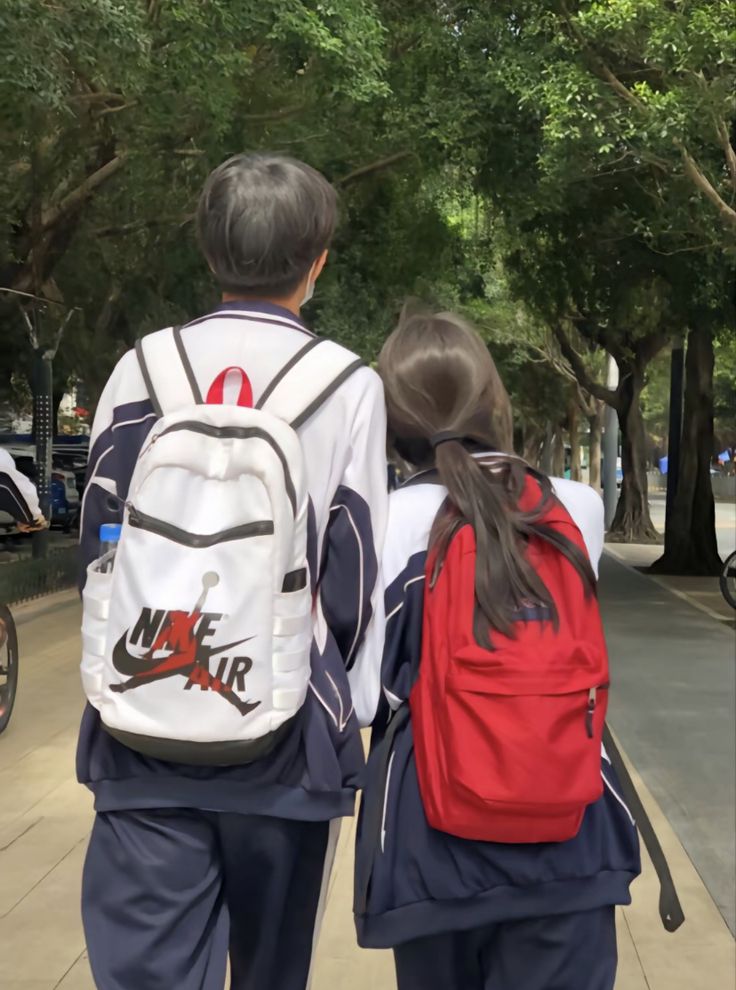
[(413, 881), (18, 496), (314, 772)]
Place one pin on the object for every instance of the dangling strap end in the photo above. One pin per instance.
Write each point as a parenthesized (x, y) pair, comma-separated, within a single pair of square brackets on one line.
[(670, 909)]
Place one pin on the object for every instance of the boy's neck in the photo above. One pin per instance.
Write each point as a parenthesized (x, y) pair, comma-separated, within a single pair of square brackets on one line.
[(292, 303)]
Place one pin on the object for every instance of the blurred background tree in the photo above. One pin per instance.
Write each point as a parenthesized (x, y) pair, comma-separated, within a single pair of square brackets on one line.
[(564, 173)]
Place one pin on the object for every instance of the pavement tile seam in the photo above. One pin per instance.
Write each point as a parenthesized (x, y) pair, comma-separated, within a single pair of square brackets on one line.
[(76, 962), (46, 875), (46, 796), (48, 740), (20, 835), (630, 935)]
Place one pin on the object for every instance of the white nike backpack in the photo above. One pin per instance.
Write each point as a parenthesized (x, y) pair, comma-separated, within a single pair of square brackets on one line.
[(196, 644)]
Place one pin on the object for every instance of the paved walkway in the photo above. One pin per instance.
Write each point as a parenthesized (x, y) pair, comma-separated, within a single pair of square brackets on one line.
[(672, 705), (45, 817)]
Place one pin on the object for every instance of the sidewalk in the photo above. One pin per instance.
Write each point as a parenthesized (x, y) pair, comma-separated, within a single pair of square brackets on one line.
[(672, 706), (702, 592), (45, 819)]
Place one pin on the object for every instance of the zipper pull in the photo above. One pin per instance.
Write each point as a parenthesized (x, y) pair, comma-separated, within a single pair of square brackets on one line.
[(592, 696), (149, 445)]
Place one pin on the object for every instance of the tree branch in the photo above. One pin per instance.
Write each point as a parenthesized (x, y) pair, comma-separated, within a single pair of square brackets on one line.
[(647, 348), (580, 371), (600, 68), (701, 181), (55, 214), (31, 295), (280, 114), (728, 150), (587, 402), (597, 334), (123, 106), (692, 170), (373, 167), (97, 96), (30, 329), (549, 354), (616, 85)]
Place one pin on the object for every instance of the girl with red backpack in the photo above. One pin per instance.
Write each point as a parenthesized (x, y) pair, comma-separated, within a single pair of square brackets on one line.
[(494, 840)]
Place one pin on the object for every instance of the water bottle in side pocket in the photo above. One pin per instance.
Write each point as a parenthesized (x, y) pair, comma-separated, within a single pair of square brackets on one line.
[(109, 539)]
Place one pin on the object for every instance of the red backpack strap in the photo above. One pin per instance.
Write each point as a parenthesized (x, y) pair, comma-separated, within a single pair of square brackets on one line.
[(216, 394)]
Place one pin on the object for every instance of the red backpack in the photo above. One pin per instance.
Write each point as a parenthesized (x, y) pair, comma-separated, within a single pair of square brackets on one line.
[(508, 740)]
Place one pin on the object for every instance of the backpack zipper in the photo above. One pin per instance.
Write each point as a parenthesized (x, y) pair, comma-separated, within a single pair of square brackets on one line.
[(592, 703), (141, 520), (233, 433)]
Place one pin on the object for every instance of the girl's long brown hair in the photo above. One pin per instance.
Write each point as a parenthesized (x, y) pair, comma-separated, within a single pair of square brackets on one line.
[(440, 378)]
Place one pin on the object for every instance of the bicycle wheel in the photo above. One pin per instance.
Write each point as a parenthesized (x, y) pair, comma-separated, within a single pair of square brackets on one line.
[(728, 580), (8, 665)]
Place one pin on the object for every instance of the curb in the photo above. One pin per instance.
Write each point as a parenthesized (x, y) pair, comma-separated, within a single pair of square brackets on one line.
[(30, 610), (662, 583)]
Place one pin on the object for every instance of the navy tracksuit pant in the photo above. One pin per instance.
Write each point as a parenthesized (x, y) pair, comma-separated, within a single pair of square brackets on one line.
[(167, 892), (564, 952)]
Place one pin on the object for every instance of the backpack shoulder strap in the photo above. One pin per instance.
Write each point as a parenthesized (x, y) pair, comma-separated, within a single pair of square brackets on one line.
[(308, 380), (670, 909), (167, 371)]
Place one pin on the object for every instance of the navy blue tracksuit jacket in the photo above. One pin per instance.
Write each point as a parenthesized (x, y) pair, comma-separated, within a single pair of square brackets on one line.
[(412, 881)]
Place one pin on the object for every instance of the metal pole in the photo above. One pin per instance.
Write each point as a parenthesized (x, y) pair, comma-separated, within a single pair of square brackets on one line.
[(44, 421), (43, 427), (610, 448), (677, 377)]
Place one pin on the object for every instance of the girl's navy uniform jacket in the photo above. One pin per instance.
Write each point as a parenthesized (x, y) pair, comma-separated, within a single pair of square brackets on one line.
[(413, 881)]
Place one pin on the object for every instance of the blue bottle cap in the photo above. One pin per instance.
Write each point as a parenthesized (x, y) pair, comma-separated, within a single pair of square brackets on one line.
[(110, 532)]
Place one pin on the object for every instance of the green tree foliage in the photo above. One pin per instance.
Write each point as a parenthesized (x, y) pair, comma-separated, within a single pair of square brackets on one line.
[(601, 135), (114, 113), (638, 88), (562, 172)]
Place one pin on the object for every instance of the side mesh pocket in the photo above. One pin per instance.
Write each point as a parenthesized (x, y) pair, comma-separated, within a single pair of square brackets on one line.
[(96, 598), (292, 639)]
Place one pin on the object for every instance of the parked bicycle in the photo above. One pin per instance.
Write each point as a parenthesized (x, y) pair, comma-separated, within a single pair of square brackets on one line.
[(728, 580), (8, 665)]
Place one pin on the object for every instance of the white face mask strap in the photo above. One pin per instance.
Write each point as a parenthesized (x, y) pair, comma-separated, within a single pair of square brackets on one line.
[(309, 293)]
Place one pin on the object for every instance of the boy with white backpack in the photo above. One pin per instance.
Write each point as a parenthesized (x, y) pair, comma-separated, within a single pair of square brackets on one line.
[(231, 531)]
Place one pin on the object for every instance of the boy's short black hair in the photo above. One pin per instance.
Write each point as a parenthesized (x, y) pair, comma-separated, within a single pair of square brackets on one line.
[(262, 222)]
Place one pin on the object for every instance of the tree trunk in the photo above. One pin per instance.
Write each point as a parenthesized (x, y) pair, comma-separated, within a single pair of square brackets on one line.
[(573, 426), (558, 454), (691, 546), (594, 455), (632, 522), (532, 443), (545, 454)]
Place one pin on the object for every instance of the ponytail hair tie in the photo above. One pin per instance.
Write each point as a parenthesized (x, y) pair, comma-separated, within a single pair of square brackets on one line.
[(445, 437)]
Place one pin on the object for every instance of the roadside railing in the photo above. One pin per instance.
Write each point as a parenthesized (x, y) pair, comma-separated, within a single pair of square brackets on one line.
[(21, 580)]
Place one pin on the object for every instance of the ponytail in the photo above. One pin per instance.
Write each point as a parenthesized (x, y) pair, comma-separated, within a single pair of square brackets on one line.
[(444, 393), (487, 497)]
